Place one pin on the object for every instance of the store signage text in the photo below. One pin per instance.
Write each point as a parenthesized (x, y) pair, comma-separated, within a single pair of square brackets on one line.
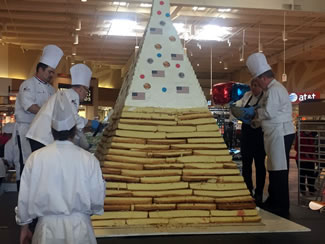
[(297, 97)]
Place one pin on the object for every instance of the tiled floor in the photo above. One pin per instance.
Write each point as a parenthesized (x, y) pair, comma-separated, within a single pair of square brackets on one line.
[(9, 231)]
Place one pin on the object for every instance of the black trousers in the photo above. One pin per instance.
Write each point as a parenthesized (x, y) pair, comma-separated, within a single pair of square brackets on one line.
[(35, 145), (279, 182), (252, 148), (21, 161)]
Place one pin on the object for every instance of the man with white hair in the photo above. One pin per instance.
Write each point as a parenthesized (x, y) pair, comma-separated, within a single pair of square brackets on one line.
[(40, 129), (61, 185), (275, 115), (33, 93)]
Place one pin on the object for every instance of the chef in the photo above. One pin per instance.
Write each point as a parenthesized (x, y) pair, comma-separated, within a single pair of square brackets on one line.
[(33, 93), (252, 145), (40, 129), (61, 185), (275, 114)]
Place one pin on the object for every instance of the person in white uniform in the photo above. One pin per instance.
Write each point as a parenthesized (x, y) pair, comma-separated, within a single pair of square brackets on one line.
[(61, 185), (40, 129), (33, 93), (275, 114), (252, 145)]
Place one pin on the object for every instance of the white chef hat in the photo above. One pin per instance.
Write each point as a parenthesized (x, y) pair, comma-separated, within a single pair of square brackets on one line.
[(8, 128), (257, 64), (51, 56), (80, 75), (62, 117)]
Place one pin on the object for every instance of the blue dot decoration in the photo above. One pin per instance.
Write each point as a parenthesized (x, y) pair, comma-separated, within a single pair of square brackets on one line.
[(167, 15), (181, 75), (150, 60), (159, 55), (164, 89), (162, 23)]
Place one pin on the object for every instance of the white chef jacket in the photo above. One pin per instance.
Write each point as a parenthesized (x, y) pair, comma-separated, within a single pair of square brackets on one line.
[(40, 129), (31, 91), (276, 116), (11, 154), (242, 102), (256, 123), (62, 185)]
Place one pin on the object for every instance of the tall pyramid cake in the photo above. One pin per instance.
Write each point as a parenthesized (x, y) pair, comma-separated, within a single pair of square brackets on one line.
[(163, 157)]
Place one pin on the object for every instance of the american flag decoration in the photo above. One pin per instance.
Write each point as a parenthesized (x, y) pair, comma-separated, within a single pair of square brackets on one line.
[(157, 31), (182, 89), (138, 96), (158, 73), (178, 57)]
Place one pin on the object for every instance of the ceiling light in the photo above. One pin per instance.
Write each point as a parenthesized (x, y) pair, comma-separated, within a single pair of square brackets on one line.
[(122, 27), (229, 43), (78, 25), (0, 36), (224, 10), (145, 5), (180, 27), (201, 8), (225, 66), (83, 1), (76, 39), (197, 65), (120, 4), (212, 32), (195, 8), (74, 51)]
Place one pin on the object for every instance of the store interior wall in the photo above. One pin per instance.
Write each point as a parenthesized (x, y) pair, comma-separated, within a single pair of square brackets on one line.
[(20, 64)]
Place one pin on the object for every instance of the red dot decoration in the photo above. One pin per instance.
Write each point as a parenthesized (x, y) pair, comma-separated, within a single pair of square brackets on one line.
[(159, 12), (142, 76), (178, 66), (162, 2)]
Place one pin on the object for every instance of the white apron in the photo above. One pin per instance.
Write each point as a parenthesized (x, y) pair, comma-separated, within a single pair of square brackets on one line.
[(275, 147), (12, 155), (64, 229)]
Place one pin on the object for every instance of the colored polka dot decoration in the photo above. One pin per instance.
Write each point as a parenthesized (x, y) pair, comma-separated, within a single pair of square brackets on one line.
[(150, 60), (161, 2), (146, 86), (162, 23), (158, 46), (168, 15), (159, 12), (181, 75), (178, 66), (172, 38), (164, 89), (159, 55), (166, 64), (142, 76)]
